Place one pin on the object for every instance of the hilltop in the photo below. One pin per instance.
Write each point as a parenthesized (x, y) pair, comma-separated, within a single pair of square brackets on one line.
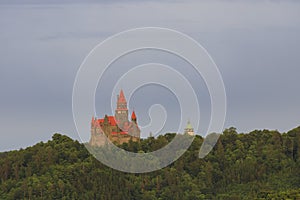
[(262, 164)]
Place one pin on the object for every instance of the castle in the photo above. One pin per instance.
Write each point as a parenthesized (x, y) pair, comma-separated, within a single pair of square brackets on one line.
[(118, 129)]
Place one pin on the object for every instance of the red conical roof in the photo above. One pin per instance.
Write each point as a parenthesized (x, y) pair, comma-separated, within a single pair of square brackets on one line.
[(121, 97), (133, 115)]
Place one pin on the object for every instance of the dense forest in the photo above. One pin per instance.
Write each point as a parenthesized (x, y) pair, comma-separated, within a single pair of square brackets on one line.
[(261, 164)]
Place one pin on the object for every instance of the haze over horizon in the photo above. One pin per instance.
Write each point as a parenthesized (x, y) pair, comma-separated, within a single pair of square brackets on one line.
[(255, 45)]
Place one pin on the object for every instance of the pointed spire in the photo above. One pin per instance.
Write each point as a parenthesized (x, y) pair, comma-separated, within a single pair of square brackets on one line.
[(121, 97), (133, 116)]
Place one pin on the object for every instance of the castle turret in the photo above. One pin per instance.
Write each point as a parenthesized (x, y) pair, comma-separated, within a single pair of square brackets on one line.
[(133, 117), (134, 129)]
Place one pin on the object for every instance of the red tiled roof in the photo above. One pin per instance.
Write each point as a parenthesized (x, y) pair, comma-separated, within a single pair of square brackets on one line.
[(111, 120)]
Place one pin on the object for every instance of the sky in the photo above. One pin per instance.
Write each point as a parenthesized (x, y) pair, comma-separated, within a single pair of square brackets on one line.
[(255, 45)]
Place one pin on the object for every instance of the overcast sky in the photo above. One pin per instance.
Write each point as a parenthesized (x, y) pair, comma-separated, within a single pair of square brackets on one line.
[(255, 44)]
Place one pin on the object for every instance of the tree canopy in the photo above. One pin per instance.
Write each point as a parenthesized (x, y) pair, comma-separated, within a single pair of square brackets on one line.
[(262, 164)]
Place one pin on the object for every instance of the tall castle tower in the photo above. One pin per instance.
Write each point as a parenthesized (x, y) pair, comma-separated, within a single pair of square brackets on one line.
[(121, 113)]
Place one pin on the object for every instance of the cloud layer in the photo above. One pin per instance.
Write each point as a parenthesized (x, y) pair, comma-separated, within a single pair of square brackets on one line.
[(254, 43)]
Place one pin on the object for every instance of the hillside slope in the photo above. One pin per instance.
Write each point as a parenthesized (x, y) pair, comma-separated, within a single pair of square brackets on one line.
[(261, 164)]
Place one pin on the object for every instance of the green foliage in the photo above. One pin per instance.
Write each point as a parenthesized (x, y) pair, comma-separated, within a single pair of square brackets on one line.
[(259, 165)]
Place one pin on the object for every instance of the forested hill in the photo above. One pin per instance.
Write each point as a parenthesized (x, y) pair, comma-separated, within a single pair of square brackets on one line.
[(258, 165)]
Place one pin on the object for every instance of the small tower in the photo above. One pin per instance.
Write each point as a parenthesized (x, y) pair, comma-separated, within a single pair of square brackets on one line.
[(189, 130), (133, 117), (134, 129)]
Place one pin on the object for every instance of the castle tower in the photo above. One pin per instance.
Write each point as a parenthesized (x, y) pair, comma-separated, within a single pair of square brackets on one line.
[(133, 117), (121, 113), (134, 129), (189, 130)]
